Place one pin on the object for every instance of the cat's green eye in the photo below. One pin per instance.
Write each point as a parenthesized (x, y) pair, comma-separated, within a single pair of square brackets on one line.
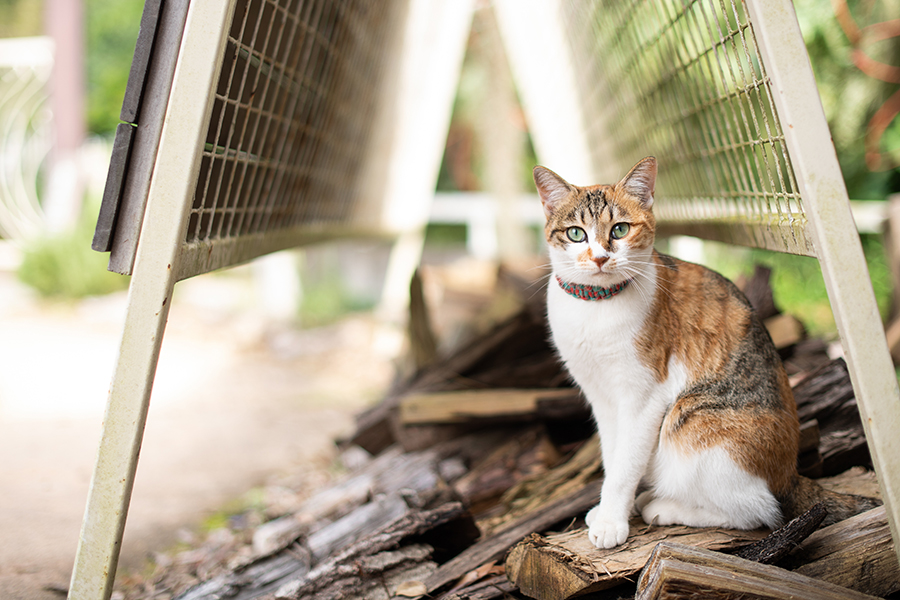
[(620, 230), (576, 234)]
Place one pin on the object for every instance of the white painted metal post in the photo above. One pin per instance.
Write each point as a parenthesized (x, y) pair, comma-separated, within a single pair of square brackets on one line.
[(535, 40), (433, 49), (162, 236), (837, 243)]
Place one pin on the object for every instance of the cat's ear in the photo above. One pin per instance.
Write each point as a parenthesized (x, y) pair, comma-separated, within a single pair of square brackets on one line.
[(641, 181), (552, 188)]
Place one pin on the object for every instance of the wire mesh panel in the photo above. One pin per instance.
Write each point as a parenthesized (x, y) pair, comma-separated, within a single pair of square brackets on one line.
[(684, 80), (291, 121), (271, 112), (722, 93)]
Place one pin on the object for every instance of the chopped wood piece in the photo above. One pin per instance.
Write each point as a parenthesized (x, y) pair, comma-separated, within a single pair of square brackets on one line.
[(330, 578), (269, 572), (531, 493), (521, 455), (785, 330), (495, 586), (759, 291), (856, 553), (564, 565), (374, 577), (827, 396), (858, 480), (676, 571), (494, 546), (777, 544), (515, 353), (422, 341), (493, 404)]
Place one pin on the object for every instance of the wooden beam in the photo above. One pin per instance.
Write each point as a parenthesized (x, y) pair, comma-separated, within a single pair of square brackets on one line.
[(856, 553), (467, 405), (564, 565), (676, 571)]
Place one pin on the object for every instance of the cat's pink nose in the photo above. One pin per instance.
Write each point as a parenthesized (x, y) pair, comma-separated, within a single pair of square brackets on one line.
[(600, 261)]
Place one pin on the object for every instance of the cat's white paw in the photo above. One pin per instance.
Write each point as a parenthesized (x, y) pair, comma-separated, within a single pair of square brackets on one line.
[(605, 532)]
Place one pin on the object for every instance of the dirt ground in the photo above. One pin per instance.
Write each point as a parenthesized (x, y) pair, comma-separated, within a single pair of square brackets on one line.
[(237, 401)]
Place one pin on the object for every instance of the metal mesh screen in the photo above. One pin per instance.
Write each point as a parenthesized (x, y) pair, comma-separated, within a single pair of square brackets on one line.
[(291, 120), (683, 80)]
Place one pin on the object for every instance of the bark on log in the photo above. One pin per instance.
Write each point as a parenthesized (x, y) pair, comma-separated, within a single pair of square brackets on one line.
[(561, 566), (521, 455), (496, 586), (677, 571), (324, 577), (374, 577), (856, 553), (759, 291), (827, 396), (269, 572), (516, 353), (780, 542), (491, 405), (494, 546)]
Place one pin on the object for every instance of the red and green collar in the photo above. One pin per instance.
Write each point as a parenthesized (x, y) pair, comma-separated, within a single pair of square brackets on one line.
[(592, 292)]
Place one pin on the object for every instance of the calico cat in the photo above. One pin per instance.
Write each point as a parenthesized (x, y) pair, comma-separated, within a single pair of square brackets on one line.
[(686, 387)]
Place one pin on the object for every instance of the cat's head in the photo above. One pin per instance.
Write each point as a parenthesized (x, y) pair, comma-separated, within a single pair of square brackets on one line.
[(602, 234)]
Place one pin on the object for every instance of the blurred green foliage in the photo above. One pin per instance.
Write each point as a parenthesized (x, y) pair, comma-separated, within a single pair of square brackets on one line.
[(112, 29), (64, 266), (21, 18), (849, 96), (797, 282)]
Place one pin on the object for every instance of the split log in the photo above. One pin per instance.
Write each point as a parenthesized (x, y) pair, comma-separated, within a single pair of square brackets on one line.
[(422, 340), (495, 586), (856, 553), (827, 396), (267, 573), (785, 331), (676, 571), (780, 542), (565, 565), (759, 292), (515, 353), (495, 546), (491, 405), (532, 493), (525, 453), (809, 460), (328, 579)]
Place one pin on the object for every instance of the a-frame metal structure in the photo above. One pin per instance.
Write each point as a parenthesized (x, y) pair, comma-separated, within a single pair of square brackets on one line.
[(258, 125)]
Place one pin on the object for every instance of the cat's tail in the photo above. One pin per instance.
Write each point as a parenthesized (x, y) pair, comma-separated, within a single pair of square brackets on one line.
[(806, 493)]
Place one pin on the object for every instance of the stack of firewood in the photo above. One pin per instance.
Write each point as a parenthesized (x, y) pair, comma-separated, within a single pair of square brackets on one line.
[(480, 479), (484, 464)]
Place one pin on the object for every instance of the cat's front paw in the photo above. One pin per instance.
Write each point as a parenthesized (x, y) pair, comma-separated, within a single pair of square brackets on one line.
[(605, 532)]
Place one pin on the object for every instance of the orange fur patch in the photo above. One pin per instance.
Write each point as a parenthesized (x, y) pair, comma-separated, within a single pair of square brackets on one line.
[(698, 318)]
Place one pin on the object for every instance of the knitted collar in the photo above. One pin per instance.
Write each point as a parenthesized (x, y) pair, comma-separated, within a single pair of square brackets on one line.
[(592, 292)]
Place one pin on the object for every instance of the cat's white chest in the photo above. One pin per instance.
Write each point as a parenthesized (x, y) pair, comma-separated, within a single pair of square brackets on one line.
[(596, 340)]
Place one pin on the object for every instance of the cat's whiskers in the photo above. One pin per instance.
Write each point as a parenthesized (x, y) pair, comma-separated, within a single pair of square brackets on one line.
[(640, 270)]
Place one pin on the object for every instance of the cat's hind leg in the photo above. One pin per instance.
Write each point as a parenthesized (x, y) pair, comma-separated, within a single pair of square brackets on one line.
[(666, 511), (708, 488)]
